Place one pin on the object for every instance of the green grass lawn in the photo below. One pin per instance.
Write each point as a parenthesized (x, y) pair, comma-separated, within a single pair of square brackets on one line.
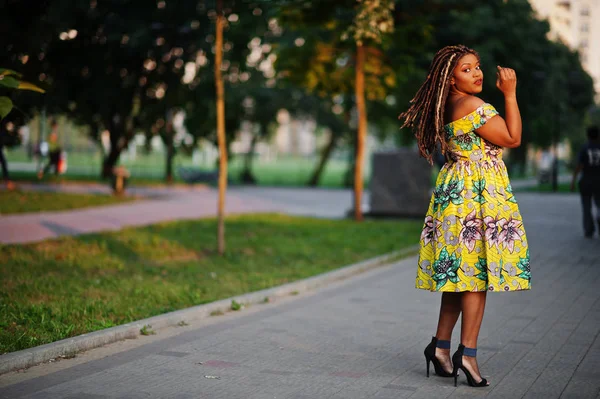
[(148, 168), (31, 201), (65, 287), (294, 172), (547, 188)]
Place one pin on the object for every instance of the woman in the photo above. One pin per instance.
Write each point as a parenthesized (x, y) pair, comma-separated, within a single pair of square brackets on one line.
[(473, 240)]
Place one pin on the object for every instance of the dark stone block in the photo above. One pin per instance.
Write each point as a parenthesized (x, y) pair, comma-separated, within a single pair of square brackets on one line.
[(400, 184)]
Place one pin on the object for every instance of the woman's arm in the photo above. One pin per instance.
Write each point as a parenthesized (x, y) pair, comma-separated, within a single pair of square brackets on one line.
[(505, 133)]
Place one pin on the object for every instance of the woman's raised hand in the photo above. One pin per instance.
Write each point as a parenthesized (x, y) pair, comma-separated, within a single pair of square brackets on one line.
[(506, 81)]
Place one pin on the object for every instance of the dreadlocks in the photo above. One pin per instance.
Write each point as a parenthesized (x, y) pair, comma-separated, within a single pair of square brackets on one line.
[(425, 116)]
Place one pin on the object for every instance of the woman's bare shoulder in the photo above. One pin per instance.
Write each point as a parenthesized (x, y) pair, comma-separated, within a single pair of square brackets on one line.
[(464, 106)]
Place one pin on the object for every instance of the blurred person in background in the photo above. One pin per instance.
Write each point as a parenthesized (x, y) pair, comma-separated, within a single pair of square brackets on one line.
[(54, 152), (589, 184), (3, 164), (5, 177)]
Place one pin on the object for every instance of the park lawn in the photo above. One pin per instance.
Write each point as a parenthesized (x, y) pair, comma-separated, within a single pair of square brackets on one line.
[(149, 169), (36, 201), (65, 287), (547, 188)]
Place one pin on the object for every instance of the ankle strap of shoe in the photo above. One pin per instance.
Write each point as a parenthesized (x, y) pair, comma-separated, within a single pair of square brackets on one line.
[(470, 352), (443, 344)]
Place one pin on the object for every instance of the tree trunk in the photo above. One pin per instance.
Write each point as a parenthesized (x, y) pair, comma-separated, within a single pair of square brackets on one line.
[(169, 162), (325, 155), (168, 139), (118, 140), (220, 128), (362, 131), (110, 160), (247, 176)]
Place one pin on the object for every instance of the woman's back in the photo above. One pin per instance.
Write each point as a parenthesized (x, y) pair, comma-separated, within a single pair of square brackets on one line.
[(464, 144)]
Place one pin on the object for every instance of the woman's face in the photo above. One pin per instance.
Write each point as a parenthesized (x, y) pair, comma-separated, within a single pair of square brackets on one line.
[(467, 77)]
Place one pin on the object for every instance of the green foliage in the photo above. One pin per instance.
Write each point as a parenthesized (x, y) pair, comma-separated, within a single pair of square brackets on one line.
[(235, 305), (147, 330), (6, 106), (314, 52), (373, 19), (12, 80)]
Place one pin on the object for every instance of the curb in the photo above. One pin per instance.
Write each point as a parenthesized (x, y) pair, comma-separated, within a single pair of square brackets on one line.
[(70, 346)]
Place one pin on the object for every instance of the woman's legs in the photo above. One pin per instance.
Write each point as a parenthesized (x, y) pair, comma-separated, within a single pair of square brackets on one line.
[(449, 312), (473, 306)]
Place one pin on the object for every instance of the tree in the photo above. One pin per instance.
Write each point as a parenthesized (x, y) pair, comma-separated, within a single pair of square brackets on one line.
[(373, 18), (107, 63), (243, 78), (261, 106), (315, 54), (220, 22)]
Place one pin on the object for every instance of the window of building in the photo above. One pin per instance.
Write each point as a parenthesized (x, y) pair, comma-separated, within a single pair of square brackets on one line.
[(564, 4)]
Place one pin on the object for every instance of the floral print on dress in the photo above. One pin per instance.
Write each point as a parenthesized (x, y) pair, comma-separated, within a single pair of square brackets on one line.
[(481, 266), (471, 232), (478, 189), (448, 192), (445, 269), (468, 141), (473, 237), (524, 266), (492, 150), (510, 232), (431, 230), (510, 195), (491, 231)]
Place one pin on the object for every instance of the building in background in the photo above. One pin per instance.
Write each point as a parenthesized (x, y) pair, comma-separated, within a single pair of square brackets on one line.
[(572, 22)]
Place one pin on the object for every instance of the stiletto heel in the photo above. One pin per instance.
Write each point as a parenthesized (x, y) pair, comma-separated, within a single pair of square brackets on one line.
[(430, 357), (457, 361), (455, 374)]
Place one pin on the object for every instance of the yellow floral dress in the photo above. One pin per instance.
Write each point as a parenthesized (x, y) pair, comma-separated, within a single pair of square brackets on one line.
[(473, 237)]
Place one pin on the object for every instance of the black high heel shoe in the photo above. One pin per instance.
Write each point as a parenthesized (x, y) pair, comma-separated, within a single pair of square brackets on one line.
[(430, 357), (457, 361)]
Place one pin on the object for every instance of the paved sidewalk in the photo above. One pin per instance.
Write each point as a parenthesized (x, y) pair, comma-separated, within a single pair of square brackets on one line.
[(174, 204), (364, 338)]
